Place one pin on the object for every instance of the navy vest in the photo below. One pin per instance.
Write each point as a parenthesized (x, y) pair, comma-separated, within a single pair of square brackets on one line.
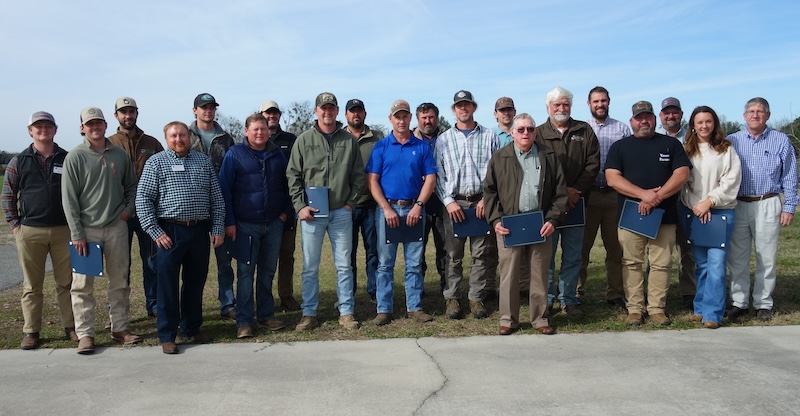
[(261, 191)]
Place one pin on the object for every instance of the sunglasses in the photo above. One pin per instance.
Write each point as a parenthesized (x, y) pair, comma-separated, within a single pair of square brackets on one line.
[(529, 129)]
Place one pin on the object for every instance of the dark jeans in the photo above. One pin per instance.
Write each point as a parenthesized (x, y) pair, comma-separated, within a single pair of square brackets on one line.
[(364, 219), (147, 251), (190, 250), (227, 300), (264, 249)]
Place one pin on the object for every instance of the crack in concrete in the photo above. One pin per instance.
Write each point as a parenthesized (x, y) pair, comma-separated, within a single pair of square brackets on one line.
[(269, 344), (441, 371)]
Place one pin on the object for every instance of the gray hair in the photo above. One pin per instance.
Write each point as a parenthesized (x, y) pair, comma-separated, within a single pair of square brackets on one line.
[(522, 116), (757, 101), (557, 93)]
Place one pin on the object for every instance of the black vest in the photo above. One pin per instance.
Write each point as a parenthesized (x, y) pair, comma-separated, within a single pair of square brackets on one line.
[(40, 192)]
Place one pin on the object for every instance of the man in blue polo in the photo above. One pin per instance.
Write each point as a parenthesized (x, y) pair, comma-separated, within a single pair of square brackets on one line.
[(402, 176)]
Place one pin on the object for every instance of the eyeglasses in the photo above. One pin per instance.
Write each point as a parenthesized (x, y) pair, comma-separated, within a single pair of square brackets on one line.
[(755, 112), (521, 130)]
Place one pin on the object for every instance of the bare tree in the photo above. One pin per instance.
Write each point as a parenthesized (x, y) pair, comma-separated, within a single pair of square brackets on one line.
[(443, 123), (232, 125), (380, 127), (729, 127), (299, 117)]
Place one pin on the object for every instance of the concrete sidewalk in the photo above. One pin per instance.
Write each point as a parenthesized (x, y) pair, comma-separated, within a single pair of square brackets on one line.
[(746, 371)]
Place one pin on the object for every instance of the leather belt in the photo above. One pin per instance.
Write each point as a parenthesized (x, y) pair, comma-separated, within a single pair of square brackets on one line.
[(602, 188), (183, 223), (756, 198), (470, 198), (402, 202)]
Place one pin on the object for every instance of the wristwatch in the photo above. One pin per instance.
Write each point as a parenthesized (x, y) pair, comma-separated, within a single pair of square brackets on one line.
[(420, 203)]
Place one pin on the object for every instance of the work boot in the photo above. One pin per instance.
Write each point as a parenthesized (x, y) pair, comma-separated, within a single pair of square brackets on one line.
[(30, 341), (307, 323), (453, 309), (349, 322), (478, 310)]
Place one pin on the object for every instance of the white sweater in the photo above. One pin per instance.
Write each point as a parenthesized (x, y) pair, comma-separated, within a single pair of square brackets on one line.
[(713, 175)]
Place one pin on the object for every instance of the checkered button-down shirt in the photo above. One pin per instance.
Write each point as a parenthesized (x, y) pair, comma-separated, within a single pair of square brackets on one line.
[(181, 189), (607, 133), (462, 161)]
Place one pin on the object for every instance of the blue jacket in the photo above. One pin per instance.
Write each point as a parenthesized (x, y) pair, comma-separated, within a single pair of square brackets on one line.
[(254, 184)]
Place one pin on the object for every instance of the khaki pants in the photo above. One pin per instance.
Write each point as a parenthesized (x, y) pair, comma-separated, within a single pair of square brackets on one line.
[(483, 270), (634, 247), (33, 245), (534, 259), (601, 212), (116, 256)]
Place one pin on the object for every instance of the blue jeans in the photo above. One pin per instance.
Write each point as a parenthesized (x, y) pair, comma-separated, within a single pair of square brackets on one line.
[(147, 251), (227, 302), (339, 226), (190, 250), (571, 245), (364, 218), (387, 254), (709, 301), (264, 251)]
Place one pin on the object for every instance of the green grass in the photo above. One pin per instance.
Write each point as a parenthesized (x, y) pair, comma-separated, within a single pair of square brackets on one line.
[(599, 317)]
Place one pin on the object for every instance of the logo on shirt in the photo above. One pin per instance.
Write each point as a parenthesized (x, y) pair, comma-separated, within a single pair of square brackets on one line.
[(576, 138), (663, 157)]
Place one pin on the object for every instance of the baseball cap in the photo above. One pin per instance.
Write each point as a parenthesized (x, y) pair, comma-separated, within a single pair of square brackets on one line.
[(203, 99), (41, 116), (91, 113), (504, 102), (325, 98), (399, 105), (642, 107), (124, 102), (463, 95), (268, 105), (670, 102), (355, 102)]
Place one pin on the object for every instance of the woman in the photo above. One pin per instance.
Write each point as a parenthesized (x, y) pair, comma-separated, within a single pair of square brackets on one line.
[(711, 189)]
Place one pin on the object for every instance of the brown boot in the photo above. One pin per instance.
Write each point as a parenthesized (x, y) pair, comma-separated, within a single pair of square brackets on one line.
[(30, 341)]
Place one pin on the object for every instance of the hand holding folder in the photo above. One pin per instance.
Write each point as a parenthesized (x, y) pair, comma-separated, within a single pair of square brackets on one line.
[(91, 264)]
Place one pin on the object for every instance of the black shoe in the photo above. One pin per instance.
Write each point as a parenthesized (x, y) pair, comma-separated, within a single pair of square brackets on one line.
[(617, 303), (737, 313), (764, 315), (688, 302)]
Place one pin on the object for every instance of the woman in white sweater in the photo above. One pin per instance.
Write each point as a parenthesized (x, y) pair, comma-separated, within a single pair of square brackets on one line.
[(711, 189)]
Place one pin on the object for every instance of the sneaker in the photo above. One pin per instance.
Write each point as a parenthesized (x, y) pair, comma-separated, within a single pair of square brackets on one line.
[(736, 312), (289, 304), (420, 316), (231, 314), (382, 319), (634, 319), (660, 319), (573, 311), (764, 315), (86, 346), (349, 322), (453, 309), (307, 323), (244, 331), (71, 334), (478, 310), (272, 324), (30, 341)]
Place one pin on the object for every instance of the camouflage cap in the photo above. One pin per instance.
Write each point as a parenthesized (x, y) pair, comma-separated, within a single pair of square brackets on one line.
[(504, 102), (642, 107), (326, 98)]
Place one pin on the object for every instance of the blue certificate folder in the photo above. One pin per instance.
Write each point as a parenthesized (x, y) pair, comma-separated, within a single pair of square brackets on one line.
[(317, 197), (472, 226), (644, 225), (240, 249), (523, 229), (576, 217), (403, 233), (91, 264), (711, 234)]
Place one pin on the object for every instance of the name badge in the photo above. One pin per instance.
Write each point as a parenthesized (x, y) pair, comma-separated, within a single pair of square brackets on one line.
[(178, 168), (58, 169)]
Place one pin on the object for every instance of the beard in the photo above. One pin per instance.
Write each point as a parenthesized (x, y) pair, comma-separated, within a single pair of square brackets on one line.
[(561, 117)]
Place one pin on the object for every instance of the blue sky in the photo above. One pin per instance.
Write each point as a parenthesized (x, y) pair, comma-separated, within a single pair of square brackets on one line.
[(63, 56)]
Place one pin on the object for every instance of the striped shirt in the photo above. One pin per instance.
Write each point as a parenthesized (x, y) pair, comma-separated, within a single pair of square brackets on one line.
[(769, 165), (462, 161), (607, 133), (181, 189)]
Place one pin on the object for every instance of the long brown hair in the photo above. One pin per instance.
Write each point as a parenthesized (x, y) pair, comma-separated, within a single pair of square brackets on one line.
[(717, 140)]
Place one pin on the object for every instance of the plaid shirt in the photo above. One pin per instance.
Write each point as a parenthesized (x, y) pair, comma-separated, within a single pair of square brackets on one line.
[(607, 133), (768, 165), (462, 161), (181, 189)]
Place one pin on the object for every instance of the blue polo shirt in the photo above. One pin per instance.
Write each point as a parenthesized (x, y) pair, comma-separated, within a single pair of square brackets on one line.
[(402, 167)]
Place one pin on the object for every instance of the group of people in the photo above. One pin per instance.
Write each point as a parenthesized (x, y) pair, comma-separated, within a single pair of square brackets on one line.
[(206, 188)]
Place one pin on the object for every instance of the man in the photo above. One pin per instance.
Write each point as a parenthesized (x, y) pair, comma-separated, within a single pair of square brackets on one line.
[(364, 211), (671, 119), (32, 205), (601, 208), (427, 130), (504, 113), (207, 136), (179, 204), (139, 148), (649, 168), (326, 155), (98, 192), (402, 175), (576, 148), (462, 157), (524, 177), (769, 167), (284, 140), (253, 182)]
